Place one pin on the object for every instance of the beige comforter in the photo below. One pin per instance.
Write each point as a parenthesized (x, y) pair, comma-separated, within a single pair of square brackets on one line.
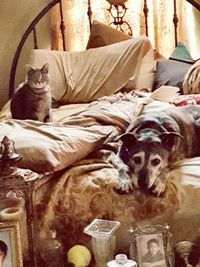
[(84, 187)]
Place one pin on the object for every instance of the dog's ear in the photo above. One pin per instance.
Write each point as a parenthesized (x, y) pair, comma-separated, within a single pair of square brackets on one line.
[(169, 139), (128, 139)]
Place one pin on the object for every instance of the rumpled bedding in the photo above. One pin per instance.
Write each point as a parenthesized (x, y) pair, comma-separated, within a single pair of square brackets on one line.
[(50, 147), (85, 188)]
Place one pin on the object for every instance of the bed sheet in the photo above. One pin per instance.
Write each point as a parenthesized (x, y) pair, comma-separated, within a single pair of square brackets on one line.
[(58, 113)]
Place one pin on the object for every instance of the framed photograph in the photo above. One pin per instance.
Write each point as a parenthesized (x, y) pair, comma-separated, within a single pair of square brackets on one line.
[(151, 246), (10, 246)]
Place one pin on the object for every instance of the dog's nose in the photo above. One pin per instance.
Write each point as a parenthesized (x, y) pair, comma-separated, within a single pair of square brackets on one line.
[(143, 180)]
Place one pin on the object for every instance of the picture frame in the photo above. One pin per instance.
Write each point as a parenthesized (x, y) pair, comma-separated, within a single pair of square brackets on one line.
[(151, 246), (10, 245)]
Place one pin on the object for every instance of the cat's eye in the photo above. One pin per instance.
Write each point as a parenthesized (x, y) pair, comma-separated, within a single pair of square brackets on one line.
[(155, 162), (137, 160)]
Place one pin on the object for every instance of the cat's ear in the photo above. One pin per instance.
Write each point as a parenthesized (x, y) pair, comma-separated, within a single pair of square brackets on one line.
[(45, 68), (28, 68)]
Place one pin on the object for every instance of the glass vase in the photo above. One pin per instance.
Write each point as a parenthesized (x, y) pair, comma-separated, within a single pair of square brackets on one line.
[(103, 240)]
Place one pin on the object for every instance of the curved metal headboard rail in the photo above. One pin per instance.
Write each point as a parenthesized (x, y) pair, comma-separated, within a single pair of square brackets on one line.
[(31, 28), (194, 4), (176, 19)]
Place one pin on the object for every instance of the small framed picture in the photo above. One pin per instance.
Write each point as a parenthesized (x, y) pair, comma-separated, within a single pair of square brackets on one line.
[(151, 246), (10, 246)]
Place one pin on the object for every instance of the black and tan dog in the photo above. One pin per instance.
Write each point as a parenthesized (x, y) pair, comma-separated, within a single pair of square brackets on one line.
[(152, 145)]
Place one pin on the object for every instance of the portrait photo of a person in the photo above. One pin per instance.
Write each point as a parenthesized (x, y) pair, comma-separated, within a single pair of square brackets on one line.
[(3, 252), (152, 254)]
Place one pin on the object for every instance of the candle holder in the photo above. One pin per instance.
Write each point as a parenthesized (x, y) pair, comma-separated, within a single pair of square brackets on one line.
[(103, 240), (8, 157), (184, 249)]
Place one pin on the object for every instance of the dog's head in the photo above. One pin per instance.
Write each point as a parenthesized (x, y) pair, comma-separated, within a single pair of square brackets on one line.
[(146, 153)]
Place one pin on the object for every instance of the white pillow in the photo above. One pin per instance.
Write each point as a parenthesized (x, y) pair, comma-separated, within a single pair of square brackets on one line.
[(78, 77)]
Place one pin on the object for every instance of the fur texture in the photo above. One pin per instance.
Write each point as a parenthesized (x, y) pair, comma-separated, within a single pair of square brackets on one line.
[(33, 99), (153, 144)]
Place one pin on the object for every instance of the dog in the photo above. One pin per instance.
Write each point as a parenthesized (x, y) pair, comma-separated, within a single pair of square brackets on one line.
[(153, 144)]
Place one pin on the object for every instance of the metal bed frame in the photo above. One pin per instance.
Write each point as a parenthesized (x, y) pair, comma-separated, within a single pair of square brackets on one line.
[(32, 29)]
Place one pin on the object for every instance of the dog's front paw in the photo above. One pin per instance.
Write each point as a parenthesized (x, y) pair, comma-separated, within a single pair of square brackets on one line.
[(125, 185), (159, 188)]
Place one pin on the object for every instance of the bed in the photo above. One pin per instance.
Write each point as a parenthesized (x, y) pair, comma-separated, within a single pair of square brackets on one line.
[(98, 100)]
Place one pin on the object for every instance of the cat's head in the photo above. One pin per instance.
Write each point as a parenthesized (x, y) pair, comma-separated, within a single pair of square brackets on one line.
[(38, 78)]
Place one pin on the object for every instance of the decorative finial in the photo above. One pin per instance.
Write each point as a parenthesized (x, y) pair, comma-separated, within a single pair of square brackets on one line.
[(8, 156), (117, 2), (118, 10)]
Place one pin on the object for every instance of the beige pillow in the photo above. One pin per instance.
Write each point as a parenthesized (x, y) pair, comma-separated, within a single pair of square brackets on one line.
[(101, 35), (52, 147), (146, 71), (80, 77)]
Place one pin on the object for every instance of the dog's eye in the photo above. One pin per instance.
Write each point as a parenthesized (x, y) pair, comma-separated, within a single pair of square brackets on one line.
[(155, 162), (137, 160)]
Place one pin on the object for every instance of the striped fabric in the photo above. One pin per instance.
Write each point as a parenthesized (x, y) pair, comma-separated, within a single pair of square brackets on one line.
[(191, 83)]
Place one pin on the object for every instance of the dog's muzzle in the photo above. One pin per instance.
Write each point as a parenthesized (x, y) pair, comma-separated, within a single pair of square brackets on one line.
[(143, 180)]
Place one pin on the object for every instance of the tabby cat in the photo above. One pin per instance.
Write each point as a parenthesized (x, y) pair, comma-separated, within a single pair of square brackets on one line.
[(33, 99)]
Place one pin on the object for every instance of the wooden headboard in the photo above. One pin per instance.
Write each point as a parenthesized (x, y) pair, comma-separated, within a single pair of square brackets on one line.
[(31, 29)]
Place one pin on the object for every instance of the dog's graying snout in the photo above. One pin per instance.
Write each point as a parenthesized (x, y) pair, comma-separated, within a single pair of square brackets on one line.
[(143, 178)]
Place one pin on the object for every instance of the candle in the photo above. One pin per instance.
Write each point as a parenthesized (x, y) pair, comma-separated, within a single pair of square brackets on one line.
[(11, 213)]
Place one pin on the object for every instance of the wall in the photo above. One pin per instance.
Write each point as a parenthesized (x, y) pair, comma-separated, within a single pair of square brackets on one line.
[(15, 16)]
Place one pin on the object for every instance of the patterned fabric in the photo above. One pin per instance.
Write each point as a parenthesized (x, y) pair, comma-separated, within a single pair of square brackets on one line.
[(188, 100), (71, 200), (191, 83), (88, 191)]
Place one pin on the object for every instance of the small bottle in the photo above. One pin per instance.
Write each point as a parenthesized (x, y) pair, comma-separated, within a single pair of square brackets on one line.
[(121, 260), (53, 254)]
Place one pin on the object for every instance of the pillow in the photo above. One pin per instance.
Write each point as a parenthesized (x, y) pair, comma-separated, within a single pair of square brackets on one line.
[(102, 34), (181, 53), (145, 73), (80, 77), (191, 83), (170, 72), (52, 147)]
